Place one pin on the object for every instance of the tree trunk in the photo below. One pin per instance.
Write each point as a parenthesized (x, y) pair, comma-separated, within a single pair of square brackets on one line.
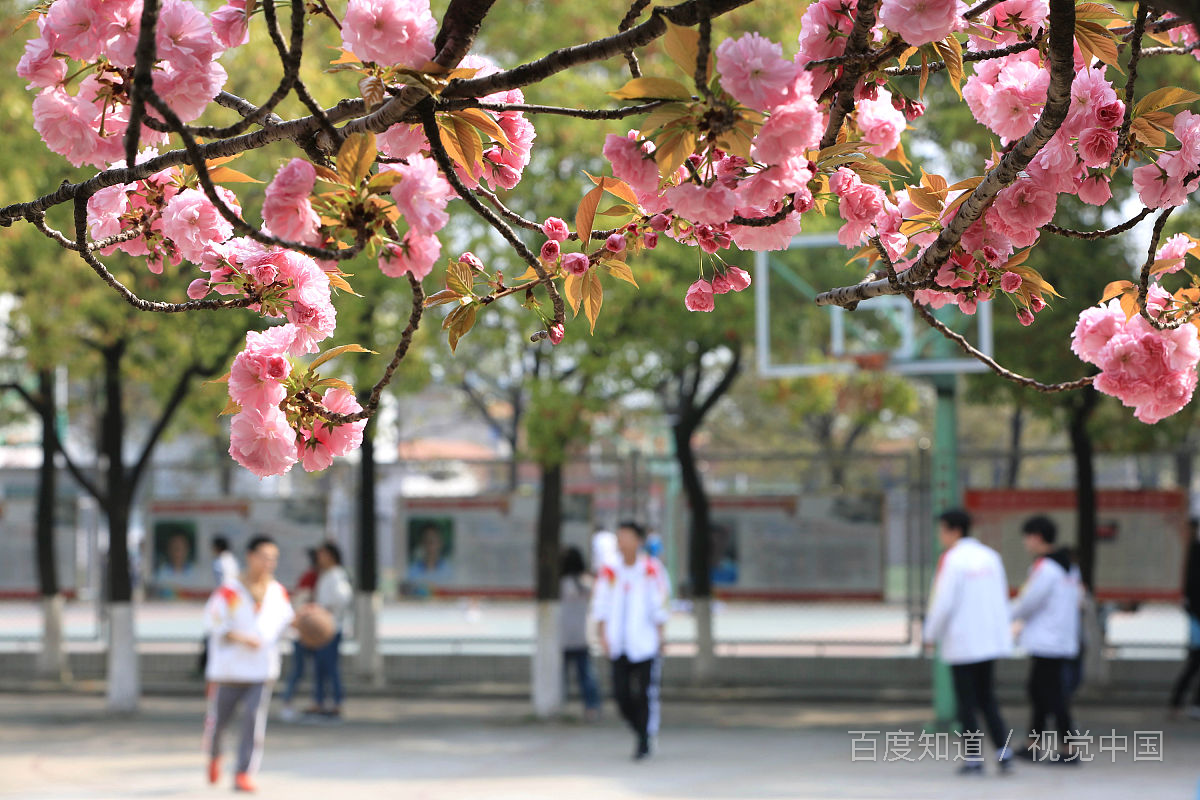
[(699, 550), (124, 680), (1016, 428), (547, 671), (368, 601), (1085, 483), (52, 658), (1184, 467)]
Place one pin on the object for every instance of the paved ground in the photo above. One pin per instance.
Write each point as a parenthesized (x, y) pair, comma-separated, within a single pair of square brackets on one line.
[(66, 748), (496, 625)]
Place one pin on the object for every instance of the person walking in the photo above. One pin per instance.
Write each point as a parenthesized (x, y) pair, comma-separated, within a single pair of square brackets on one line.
[(300, 654), (968, 618), (575, 591), (246, 617), (1048, 607), (332, 593), (630, 608), (1191, 605)]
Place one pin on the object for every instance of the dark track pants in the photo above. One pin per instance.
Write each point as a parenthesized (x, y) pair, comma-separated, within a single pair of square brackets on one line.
[(631, 685)]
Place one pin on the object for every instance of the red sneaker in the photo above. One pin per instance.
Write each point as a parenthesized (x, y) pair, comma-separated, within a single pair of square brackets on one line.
[(214, 770), (242, 783)]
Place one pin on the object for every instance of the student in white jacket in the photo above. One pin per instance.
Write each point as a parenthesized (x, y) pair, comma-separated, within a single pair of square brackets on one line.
[(246, 617), (629, 604), (1048, 605), (968, 617), (333, 593)]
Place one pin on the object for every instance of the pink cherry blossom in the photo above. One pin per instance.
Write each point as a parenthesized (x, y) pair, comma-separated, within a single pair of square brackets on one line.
[(415, 256), (1173, 249), (1095, 327), (550, 251), (881, 123), (262, 441), (754, 71), (77, 28), (1096, 146), (230, 24), (576, 263), (192, 222), (66, 125), (721, 284), (920, 22), (402, 140), (421, 195), (38, 65), (287, 209), (184, 36), (791, 131), (556, 230), (824, 29), (630, 162), (739, 279), (258, 372), (1010, 282), (699, 296), (188, 91), (1094, 190), (707, 205), (319, 446), (390, 32)]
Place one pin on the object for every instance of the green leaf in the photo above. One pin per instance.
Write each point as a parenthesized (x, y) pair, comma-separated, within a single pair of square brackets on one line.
[(683, 47), (652, 89), (620, 270), (593, 297), (460, 278), (1164, 98), (464, 320), (356, 156), (585, 215), (337, 351), (444, 296)]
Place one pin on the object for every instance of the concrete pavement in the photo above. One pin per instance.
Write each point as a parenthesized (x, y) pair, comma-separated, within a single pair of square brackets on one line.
[(67, 748)]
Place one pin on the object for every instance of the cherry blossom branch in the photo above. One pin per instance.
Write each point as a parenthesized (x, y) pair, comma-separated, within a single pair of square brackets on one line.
[(765, 222), (1054, 113), (438, 151), (145, 54), (529, 224), (578, 113), (635, 11), (981, 8), (39, 222), (1150, 52), (858, 43), (372, 405), (1144, 279), (1135, 54), (85, 252), (1104, 234), (991, 363), (976, 55), (686, 14)]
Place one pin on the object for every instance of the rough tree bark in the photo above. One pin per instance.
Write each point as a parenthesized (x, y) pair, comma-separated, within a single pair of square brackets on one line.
[(547, 656), (52, 658)]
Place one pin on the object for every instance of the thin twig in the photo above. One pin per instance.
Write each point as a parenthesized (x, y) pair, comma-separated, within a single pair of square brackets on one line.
[(1135, 53), (1104, 234), (635, 11)]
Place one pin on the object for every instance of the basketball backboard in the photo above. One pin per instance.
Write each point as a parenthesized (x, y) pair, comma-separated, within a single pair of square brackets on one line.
[(795, 338)]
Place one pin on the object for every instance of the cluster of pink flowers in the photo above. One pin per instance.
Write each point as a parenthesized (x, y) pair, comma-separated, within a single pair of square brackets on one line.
[(701, 295), (390, 32), (88, 127), (421, 196), (287, 209), (920, 22), (1148, 370), (262, 439), (1166, 182), (824, 29)]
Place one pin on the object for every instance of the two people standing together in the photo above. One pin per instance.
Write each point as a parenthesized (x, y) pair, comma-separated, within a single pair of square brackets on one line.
[(971, 618)]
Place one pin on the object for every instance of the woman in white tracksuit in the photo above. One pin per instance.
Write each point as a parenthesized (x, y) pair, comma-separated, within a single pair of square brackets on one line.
[(968, 617)]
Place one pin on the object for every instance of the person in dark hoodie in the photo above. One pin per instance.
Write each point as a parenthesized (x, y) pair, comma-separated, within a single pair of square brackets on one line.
[(1048, 607), (1191, 604)]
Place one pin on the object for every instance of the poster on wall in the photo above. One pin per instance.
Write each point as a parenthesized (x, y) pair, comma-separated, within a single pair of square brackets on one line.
[(791, 547), (1140, 535), (178, 546)]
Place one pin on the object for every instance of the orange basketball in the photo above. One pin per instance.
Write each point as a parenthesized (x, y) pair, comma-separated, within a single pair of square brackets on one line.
[(316, 627)]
